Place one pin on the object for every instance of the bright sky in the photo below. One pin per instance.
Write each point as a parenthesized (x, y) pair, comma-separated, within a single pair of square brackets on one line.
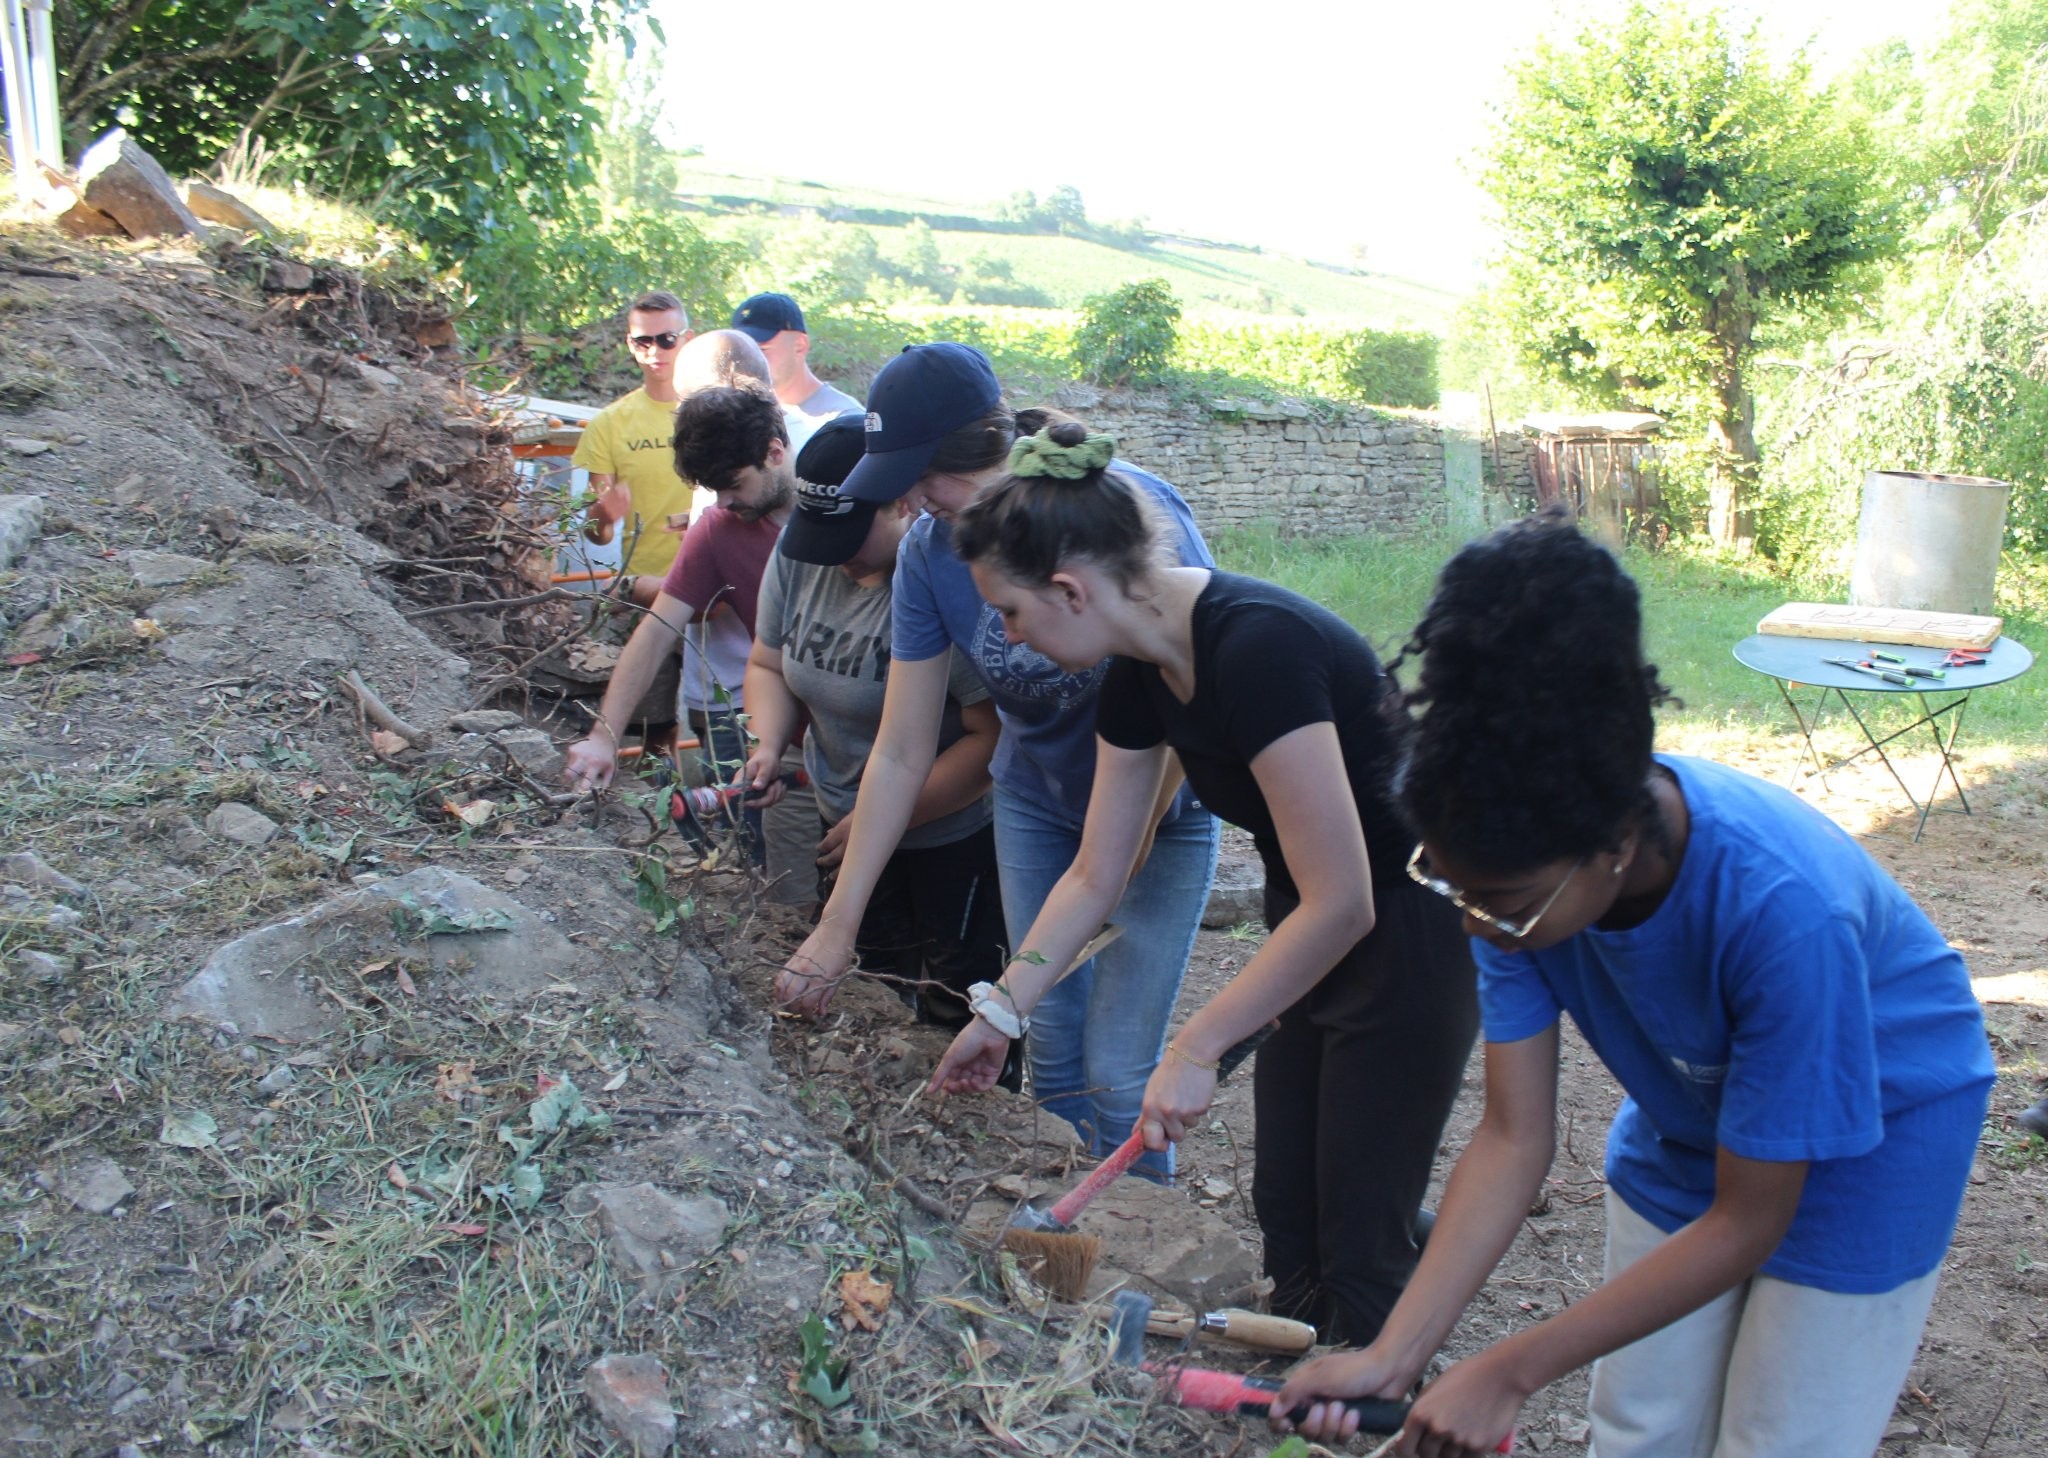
[(1305, 125)]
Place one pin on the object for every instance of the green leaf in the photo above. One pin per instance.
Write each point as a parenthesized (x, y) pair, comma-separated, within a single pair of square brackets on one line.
[(189, 1129), (562, 1107), (823, 1375)]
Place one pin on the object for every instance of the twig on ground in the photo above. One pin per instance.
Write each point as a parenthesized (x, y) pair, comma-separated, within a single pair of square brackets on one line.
[(380, 712), (30, 270), (553, 594)]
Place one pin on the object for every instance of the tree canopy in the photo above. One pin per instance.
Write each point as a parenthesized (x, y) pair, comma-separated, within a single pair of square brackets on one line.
[(1665, 189), (450, 113)]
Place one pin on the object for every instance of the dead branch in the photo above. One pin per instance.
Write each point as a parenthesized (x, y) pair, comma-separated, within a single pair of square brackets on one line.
[(551, 595), (380, 712), (29, 270)]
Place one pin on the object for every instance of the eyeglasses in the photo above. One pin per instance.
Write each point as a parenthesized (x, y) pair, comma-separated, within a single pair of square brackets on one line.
[(665, 340), (1423, 876)]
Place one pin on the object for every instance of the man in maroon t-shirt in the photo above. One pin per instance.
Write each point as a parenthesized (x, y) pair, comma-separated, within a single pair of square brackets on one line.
[(732, 441)]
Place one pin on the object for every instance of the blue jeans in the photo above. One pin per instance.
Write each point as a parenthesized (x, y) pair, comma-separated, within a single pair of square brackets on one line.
[(1097, 1036)]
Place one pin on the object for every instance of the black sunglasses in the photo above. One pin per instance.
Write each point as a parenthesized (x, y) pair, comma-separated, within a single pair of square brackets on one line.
[(660, 341)]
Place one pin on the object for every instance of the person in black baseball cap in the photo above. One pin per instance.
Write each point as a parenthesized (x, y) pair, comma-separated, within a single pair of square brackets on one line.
[(829, 527), (938, 432), (934, 922), (776, 323)]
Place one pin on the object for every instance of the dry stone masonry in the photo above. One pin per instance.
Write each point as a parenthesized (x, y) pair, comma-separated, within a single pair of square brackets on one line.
[(1308, 472)]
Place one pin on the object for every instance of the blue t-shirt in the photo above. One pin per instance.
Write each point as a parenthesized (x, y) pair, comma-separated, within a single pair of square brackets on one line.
[(1789, 1002), (1047, 749)]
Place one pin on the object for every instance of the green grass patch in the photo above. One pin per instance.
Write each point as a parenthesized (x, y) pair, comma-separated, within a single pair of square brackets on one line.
[(1696, 610)]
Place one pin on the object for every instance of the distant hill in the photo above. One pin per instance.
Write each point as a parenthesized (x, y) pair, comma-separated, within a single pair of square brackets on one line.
[(1216, 280)]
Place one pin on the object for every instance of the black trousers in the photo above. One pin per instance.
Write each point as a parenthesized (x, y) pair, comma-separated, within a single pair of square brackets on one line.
[(934, 926), (1351, 1094)]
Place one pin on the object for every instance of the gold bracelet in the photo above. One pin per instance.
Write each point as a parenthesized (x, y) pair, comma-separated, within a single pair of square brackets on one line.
[(1188, 1058)]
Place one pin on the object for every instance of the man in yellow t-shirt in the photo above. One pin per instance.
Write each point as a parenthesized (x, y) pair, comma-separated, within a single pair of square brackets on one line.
[(628, 449)]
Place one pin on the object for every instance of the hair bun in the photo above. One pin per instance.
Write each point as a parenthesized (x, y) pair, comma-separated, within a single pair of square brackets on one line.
[(1066, 452)]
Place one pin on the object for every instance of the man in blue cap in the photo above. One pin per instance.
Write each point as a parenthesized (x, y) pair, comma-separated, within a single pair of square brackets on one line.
[(776, 323)]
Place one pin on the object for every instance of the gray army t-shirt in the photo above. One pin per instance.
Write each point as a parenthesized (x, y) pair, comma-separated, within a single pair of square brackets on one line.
[(834, 637)]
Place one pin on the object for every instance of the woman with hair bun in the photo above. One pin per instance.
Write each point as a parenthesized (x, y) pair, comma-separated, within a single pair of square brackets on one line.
[(1805, 1064), (937, 432), (1277, 711)]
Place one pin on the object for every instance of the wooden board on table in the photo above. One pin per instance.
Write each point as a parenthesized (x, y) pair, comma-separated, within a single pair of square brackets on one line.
[(1881, 625)]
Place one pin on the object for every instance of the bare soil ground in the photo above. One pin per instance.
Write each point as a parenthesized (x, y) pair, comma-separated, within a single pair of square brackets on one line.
[(364, 1241)]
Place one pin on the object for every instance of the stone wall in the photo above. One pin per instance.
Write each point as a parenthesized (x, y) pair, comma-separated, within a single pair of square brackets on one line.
[(1308, 472)]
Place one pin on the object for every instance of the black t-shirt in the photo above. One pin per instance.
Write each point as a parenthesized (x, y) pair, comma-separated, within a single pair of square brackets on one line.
[(1267, 662)]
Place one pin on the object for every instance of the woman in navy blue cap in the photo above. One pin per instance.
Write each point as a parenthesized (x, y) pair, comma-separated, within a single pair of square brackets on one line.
[(938, 431)]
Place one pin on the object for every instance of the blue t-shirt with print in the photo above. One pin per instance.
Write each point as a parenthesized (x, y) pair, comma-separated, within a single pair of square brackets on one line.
[(1047, 749), (1787, 1001)]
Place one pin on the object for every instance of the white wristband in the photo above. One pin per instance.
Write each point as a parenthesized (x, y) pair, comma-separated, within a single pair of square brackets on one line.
[(992, 1005)]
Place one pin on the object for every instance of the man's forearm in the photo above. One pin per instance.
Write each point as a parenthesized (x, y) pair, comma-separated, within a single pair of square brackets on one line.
[(639, 662)]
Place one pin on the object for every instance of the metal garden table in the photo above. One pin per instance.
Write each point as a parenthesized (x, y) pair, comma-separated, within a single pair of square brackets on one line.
[(1791, 662)]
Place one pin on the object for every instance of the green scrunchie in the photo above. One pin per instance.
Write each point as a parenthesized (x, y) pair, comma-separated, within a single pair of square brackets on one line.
[(1041, 455)]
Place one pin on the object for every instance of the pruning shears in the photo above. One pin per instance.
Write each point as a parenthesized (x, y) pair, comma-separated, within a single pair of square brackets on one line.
[(1964, 658)]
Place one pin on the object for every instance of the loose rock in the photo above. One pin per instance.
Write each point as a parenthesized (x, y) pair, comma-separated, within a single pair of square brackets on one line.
[(164, 569), (277, 1081), (22, 446), (95, 1185), (630, 1395), (533, 751), (21, 522), (645, 1223), (29, 869), (123, 181), (286, 276), (217, 205), (43, 966), (486, 721), (242, 824)]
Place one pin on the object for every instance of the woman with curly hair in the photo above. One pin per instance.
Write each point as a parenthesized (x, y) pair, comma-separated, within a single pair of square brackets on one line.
[(1276, 709), (1805, 1065)]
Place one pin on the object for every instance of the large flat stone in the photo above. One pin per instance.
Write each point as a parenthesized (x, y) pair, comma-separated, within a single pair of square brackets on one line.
[(267, 983), (242, 824), (30, 869), (651, 1232), (127, 184), (1161, 1240), (94, 1184), (164, 569)]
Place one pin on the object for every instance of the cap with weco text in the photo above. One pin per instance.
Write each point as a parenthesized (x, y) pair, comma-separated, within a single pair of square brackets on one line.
[(827, 527)]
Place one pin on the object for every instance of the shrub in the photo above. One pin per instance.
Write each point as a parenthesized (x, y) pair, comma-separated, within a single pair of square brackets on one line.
[(557, 276), (1369, 366), (1128, 334)]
